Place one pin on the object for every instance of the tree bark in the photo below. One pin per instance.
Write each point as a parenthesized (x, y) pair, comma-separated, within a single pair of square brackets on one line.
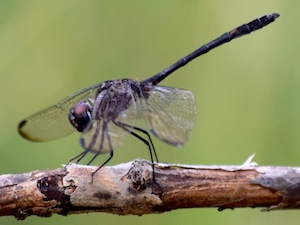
[(129, 189)]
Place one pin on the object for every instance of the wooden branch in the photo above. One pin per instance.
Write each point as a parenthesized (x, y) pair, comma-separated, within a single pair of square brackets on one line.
[(128, 189)]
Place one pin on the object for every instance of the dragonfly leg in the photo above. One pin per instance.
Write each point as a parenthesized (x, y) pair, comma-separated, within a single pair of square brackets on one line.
[(111, 154), (79, 157), (149, 143), (94, 157), (149, 138)]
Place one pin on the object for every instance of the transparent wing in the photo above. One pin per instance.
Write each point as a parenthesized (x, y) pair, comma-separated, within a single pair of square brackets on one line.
[(53, 123), (103, 136), (170, 113)]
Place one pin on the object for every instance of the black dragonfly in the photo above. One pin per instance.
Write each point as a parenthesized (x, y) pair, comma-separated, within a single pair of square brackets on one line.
[(105, 113)]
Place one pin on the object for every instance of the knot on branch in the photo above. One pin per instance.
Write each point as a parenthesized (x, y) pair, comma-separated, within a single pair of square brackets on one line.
[(140, 174)]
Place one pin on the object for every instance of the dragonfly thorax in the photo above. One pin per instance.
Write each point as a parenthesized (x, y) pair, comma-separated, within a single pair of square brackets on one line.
[(112, 99)]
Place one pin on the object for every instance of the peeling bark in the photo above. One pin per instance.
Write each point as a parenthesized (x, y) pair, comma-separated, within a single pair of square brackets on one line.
[(129, 189)]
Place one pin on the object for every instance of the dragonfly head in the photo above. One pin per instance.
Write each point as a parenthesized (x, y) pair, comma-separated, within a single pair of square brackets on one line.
[(80, 116)]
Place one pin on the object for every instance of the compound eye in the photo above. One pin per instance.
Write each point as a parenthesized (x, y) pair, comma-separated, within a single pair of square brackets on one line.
[(80, 116)]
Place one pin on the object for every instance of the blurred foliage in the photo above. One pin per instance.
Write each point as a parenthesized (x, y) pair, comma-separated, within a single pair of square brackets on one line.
[(246, 91)]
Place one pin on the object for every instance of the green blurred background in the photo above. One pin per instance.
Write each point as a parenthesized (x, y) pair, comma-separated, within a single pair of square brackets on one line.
[(247, 92)]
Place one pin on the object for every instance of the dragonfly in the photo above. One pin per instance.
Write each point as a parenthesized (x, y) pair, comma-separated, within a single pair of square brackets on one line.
[(105, 113)]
